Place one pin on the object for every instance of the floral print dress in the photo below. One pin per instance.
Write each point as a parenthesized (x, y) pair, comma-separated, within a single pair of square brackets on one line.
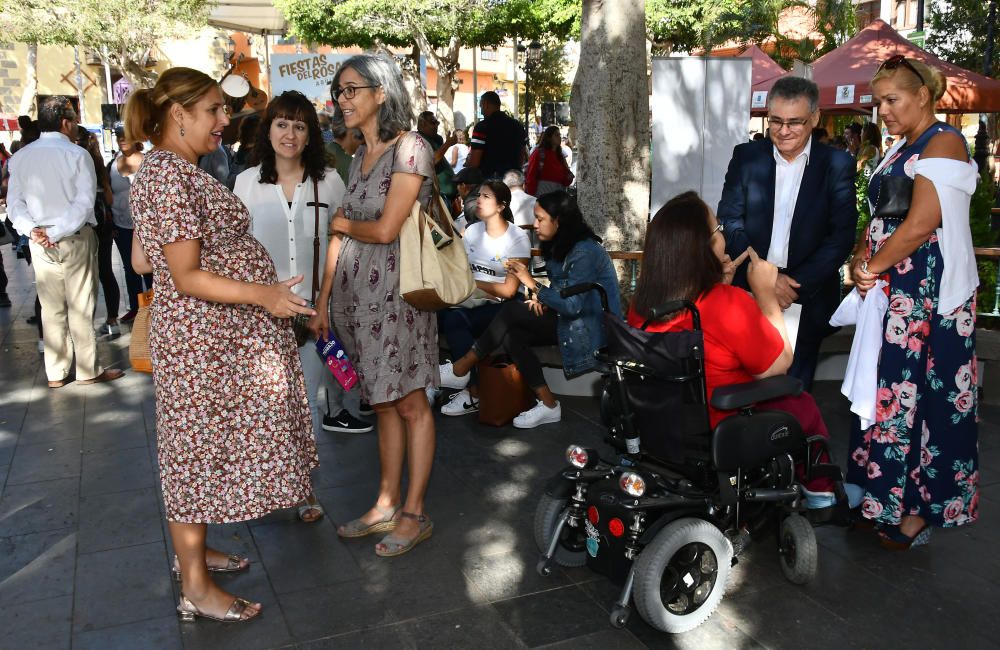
[(233, 427), (921, 455), (393, 345)]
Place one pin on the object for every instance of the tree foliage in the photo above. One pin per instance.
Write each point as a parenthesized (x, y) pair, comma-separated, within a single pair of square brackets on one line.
[(123, 31), (548, 78), (684, 25), (440, 28), (958, 32)]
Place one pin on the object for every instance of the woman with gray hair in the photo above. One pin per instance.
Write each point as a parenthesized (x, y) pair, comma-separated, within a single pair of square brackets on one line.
[(392, 345)]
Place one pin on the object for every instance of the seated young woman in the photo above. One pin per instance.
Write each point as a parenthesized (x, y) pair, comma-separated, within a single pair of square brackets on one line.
[(490, 244), (745, 337), (573, 255)]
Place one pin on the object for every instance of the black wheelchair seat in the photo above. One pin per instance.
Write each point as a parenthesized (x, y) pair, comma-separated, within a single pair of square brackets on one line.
[(750, 440), (738, 396)]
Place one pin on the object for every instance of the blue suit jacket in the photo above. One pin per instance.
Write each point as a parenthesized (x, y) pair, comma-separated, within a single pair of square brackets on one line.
[(823, 224)]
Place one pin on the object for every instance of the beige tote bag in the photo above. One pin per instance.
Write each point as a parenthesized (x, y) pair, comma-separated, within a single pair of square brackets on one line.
[(433, 267)]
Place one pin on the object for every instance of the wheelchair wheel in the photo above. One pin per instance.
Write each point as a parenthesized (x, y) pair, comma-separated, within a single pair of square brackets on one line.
[(797, 549), (572, 548), (681, 576)]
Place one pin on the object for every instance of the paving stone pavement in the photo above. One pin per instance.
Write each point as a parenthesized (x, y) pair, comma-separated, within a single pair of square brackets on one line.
[(84, 555)]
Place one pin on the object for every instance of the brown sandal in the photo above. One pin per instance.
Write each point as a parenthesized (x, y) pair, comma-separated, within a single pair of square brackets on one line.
[(188, 611)]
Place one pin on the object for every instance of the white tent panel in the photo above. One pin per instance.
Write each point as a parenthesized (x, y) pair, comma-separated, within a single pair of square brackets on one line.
[(252, 16)]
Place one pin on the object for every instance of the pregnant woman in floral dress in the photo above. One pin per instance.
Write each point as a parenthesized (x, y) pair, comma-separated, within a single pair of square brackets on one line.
[(234, 432), (918, 464)]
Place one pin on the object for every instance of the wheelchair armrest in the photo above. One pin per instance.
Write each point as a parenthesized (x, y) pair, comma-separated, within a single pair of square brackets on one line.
[(737, 396)]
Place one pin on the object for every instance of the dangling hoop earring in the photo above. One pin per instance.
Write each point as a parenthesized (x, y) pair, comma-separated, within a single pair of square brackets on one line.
[(182, 131)]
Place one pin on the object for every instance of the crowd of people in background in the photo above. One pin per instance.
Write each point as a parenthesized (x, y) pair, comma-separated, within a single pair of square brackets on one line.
[(302, 218)]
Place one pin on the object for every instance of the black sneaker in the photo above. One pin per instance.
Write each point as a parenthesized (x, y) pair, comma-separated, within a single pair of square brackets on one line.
[(365, 409), (344, 422)]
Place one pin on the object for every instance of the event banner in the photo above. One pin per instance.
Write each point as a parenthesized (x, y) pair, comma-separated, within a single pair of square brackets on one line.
[(310, 74)]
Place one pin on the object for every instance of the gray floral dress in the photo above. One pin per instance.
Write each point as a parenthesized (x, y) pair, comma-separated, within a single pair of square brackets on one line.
[(392, 345)]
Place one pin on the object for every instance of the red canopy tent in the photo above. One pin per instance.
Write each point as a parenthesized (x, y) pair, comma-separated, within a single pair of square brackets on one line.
[(843, 75), (8, 123), (764, 72)]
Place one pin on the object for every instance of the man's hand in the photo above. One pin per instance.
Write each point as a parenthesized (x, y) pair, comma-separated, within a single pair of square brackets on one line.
[(40, 237), (785, 289)]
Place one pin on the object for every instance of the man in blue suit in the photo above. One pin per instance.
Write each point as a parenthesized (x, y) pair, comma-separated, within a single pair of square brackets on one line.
[(794, 200)]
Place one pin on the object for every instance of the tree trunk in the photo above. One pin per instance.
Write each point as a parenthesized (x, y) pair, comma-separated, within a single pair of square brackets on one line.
[(79, 84), (610, 104), (447, 71), (30, 92)]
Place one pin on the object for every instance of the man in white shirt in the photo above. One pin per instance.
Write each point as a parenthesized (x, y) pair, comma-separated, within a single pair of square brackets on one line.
[(522, 204), (51, 196), (793, 199)]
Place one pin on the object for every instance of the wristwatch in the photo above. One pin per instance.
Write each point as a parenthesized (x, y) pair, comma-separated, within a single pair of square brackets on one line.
[(530, 293), (864, 267)]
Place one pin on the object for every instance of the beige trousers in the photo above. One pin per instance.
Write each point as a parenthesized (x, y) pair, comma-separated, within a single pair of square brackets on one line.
[(66, 281)]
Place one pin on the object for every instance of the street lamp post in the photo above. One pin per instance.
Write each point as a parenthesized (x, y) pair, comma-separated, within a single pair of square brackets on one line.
[(532, 58)]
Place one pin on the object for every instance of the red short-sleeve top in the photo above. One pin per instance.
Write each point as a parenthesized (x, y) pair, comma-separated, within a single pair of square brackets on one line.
[(739, 341)]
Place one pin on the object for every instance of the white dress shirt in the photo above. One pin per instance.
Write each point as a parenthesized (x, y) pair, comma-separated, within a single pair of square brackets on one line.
[(287, 232), (787, 179), (52, 183)]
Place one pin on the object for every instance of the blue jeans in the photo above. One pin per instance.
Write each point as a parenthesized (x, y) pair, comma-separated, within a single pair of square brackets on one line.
[(461, 327)]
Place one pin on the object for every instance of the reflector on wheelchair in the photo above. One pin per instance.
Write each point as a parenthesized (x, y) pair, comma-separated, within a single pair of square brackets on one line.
[(593, 515), (616, 527)]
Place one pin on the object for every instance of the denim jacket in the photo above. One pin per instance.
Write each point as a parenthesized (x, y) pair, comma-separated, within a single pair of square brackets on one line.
[(581, 324)]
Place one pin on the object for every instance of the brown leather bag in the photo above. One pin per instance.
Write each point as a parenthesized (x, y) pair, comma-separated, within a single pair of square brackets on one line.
[(503, 393)]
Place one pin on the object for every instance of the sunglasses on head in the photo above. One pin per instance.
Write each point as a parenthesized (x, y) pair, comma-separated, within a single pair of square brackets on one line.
[(894, 62)]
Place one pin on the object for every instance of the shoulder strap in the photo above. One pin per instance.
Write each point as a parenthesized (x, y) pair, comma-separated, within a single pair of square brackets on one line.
[(315, 278)]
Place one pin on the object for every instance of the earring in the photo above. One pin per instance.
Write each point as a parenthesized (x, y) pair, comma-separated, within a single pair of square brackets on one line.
[(182, 131)]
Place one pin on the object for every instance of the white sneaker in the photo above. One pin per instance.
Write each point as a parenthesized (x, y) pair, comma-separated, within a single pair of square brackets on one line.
[(538, 414), (448, 378), (432, 395), (460, 404)]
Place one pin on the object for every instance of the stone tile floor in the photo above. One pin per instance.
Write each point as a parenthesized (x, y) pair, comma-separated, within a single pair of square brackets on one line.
[(84, 557)]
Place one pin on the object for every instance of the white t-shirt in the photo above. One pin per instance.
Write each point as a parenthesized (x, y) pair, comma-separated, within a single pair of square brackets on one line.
[(488, 254), (463, 153), (287, 231)]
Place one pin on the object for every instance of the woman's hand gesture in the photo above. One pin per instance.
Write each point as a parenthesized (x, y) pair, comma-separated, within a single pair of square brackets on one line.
[(536, 307), (762, 276), (729, 265), (279, 300)]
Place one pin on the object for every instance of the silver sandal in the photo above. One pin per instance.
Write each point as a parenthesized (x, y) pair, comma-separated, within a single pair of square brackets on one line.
[(397, 546), (234, 564)]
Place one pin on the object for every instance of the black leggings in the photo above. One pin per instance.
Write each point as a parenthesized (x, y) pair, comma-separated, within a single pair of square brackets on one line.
[(105, 242), (514, 330)]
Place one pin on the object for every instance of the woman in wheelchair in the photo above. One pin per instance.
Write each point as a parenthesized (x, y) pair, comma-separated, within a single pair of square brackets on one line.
[(745, 338), (573, 255)]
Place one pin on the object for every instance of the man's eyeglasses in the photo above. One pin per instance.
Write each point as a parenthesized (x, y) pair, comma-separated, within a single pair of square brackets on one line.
[(348, 91), (793, 125), (894, 62)]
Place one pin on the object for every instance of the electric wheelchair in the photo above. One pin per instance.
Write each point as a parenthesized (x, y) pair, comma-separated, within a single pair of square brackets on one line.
[(670, 515)]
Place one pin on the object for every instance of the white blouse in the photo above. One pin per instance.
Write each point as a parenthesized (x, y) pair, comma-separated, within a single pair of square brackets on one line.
[(287, 232)]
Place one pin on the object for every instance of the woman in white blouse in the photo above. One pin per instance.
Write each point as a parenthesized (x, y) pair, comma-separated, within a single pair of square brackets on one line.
[(282, 193)]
